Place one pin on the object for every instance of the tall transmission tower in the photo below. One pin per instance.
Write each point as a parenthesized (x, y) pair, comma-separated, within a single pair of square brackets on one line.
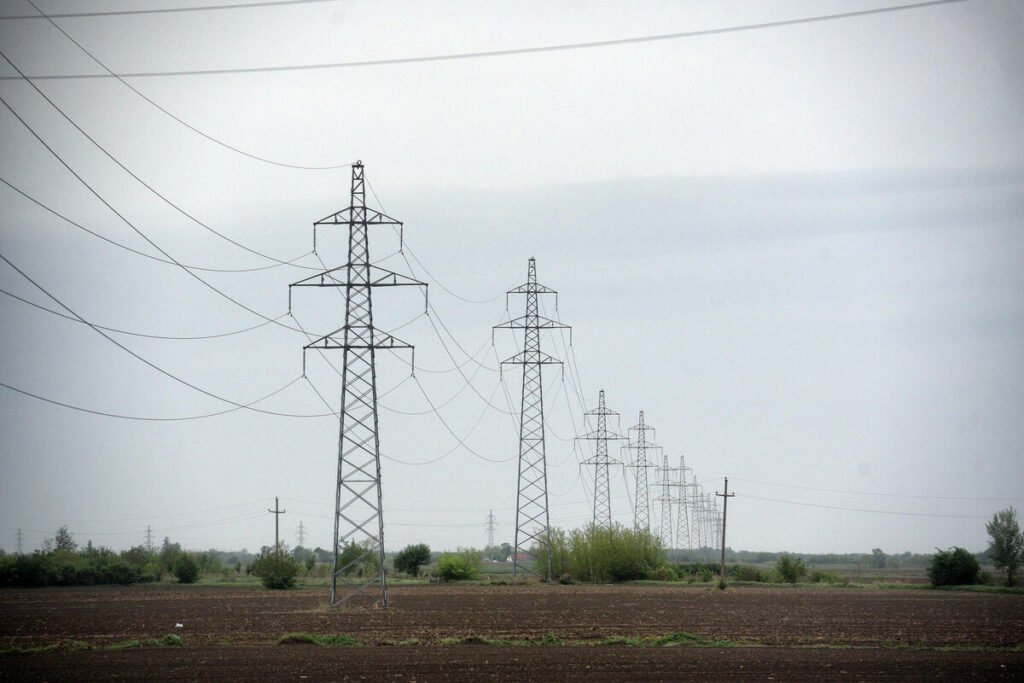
[(683, 540), (666, 482), (20, 538), (149, 538), (602, 484), (302, 535), (358, 509), (490, 529), (641, 511), (696, 519), (532, 518)]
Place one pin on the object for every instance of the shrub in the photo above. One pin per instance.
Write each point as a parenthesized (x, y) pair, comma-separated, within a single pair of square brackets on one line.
[(790, 568), (745, 572), (663, 573), (600, 554), (186, 568), (276, 573), (953, 567), (459, 566), (819, 576), (411, 558), (566, 579)]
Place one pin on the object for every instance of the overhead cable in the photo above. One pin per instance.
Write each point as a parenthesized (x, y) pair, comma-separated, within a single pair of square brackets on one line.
[(154, 366), (139, 180), (483, 54), (188, 125)]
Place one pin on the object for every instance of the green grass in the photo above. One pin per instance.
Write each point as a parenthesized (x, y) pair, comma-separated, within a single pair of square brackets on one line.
[(316, 639), (75, 645)]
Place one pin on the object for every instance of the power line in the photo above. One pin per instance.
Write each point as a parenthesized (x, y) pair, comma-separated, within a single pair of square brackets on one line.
[(849, 509), (875, 493), (144, 360), (139, 334), (188, 125), (169, 10), (142, 253), (132, 225), (562, 47), (131, 173), (141, 418)]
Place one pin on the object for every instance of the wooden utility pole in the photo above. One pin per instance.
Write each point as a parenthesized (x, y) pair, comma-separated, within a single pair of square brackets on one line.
[(277, 512), (725, 507)]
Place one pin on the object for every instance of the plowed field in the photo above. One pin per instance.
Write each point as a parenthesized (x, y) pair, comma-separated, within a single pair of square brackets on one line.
[(432, 632)]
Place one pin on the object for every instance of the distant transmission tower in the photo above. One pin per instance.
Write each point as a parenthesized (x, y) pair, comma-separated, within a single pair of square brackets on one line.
[(532, 519), (302, 534), (359, 514), (666, 482), (641, 511), (696, 519), (602, 485), (149, 538), (490, 529), (683, 540), (21, 538)]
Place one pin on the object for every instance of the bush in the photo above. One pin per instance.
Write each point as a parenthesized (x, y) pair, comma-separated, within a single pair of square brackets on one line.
[(276, 573), (411, 558), (953, 567), (460, 566), (819, 576), (186, 568), (745, 572), (790, 568), (600, 554), (663, 573)]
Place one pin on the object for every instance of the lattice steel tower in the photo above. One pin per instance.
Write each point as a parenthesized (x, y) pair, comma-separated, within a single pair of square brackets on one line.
[(359, 514), (683, 539), (600, 461), (641, 511), (532, 519), (666, 484)]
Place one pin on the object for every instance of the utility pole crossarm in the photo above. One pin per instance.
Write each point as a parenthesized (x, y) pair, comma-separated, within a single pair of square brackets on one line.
[(375, 275)]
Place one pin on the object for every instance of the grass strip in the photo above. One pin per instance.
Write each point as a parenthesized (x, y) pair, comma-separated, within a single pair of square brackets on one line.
[(170, 640), (299, 638)]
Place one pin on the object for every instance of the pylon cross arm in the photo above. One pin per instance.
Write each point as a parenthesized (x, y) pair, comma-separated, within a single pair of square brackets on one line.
[(349, 215)]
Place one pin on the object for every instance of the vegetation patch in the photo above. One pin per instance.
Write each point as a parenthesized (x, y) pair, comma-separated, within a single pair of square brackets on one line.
[(317, 639), (76, 645)]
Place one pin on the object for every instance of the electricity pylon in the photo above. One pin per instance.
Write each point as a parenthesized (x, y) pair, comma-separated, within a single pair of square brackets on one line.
[(359, 513), (641, 511), (666, 482), (532, 519), (490, 529), (682, 512), (600, 461)]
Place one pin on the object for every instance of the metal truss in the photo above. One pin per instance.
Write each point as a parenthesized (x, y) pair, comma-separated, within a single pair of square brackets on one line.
[(359, 514), (683, 535), (532, 518), (641, 510), (602, 486)]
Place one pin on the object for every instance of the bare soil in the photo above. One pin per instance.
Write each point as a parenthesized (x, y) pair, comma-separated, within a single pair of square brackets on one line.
[(232, 633)]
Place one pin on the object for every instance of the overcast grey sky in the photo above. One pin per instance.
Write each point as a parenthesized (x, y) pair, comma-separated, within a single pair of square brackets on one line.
[(800, 250)]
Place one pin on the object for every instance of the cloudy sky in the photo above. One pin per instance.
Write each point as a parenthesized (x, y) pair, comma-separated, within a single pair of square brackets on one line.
[(798, 248)]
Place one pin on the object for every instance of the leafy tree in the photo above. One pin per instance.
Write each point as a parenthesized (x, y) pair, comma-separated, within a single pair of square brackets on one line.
[(169, 553), (506, 550), (953, 567), (878, 558), (790, 568), (599, 554), (64, 541), (276, 572), (1007, 546), (412, 557), (459, 566), (186, 568)]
